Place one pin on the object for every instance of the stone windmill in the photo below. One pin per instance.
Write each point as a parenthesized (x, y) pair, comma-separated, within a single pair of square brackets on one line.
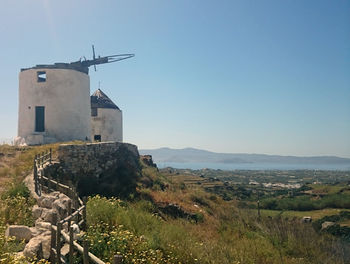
[(54, 101)]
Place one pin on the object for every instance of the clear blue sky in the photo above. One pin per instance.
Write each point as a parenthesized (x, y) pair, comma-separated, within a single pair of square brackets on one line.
[(227, 76)]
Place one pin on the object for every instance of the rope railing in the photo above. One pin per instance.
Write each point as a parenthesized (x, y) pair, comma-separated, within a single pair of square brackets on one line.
[(76, 213)]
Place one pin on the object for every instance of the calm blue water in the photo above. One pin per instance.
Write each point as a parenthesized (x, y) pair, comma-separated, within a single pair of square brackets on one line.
[(254, 166)]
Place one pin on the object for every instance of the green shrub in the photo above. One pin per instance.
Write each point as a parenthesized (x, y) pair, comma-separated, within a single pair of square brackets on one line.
[(16, 205), (106, 241), (102, 210), (16, 189)]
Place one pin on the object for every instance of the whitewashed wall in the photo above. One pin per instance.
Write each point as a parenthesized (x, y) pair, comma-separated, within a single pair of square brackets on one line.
[(66, 97), (108, 123)]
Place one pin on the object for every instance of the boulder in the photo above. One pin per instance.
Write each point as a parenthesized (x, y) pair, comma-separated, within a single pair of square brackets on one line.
[(39, 246), (46, 244), (76, 232), (306, 219), (36, 211), (327, 224), (43, 225), (49, 215), (40, 227), (33, 248), (35, 231), (55, 194), (19, 231), (59, 207), (65, 250), (147, 159), (64, 199), (62, 196), (46, 200)]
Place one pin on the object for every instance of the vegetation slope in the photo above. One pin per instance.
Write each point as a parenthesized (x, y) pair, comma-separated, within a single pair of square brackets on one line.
[(170, 222)]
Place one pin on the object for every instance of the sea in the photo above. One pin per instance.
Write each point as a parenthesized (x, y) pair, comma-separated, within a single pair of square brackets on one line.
[(254, 166)]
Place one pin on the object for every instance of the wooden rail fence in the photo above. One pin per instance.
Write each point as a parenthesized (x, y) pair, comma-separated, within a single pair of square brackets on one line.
[(76, 213)]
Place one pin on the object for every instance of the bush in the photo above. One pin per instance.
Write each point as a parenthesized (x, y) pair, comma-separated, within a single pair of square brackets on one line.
[(102, 210), (106, 241), (16, 189), (16, 205)]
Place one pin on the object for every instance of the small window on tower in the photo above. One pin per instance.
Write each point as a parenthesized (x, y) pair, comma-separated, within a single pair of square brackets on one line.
[(94, 111), (41, 76), (97, 138)]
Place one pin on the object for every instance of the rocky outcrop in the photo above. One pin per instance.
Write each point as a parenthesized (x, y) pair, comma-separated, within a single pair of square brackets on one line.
[(50, 208), (106, 168), (327, 224), (39, 246), (19, 231), (175, 211), (147, 159)]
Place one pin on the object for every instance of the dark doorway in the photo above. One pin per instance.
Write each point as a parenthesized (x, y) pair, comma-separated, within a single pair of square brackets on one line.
[(39, 118), (97, 138)]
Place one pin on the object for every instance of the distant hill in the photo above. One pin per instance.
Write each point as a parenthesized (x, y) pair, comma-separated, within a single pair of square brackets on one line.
[(203, 156)]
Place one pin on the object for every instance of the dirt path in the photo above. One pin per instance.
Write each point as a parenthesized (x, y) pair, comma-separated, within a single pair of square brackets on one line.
[(29, 182)]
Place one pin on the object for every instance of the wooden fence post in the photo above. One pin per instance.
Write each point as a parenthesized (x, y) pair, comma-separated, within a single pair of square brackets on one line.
[(58, 242), (86, 251), (48, 183), (35, 175), (72, 197), (84, 214), (50, 156), (53, 246), (117, 259), (34, 167), (71, 247), (40, 254), (69, 213)]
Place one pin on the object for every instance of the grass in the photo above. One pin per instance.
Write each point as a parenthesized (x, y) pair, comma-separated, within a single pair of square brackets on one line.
[(315, 214), (232, 236), (192, 180), (307, 202), (17, 162), (139, 231), (226, 234), (326, 189), (15, 200)]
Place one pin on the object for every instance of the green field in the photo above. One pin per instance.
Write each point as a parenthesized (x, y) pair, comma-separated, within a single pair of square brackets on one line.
[(315, 214)]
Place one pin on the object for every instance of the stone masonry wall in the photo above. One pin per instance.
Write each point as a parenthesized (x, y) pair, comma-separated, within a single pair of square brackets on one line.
[(108, 168), (92, 158)]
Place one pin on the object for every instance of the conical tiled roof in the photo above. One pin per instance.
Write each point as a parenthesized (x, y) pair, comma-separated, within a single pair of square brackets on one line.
[(100, 100)]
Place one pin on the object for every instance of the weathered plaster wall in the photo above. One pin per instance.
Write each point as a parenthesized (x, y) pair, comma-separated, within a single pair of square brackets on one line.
[(108, 168), (108, 123), (66, 97)]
